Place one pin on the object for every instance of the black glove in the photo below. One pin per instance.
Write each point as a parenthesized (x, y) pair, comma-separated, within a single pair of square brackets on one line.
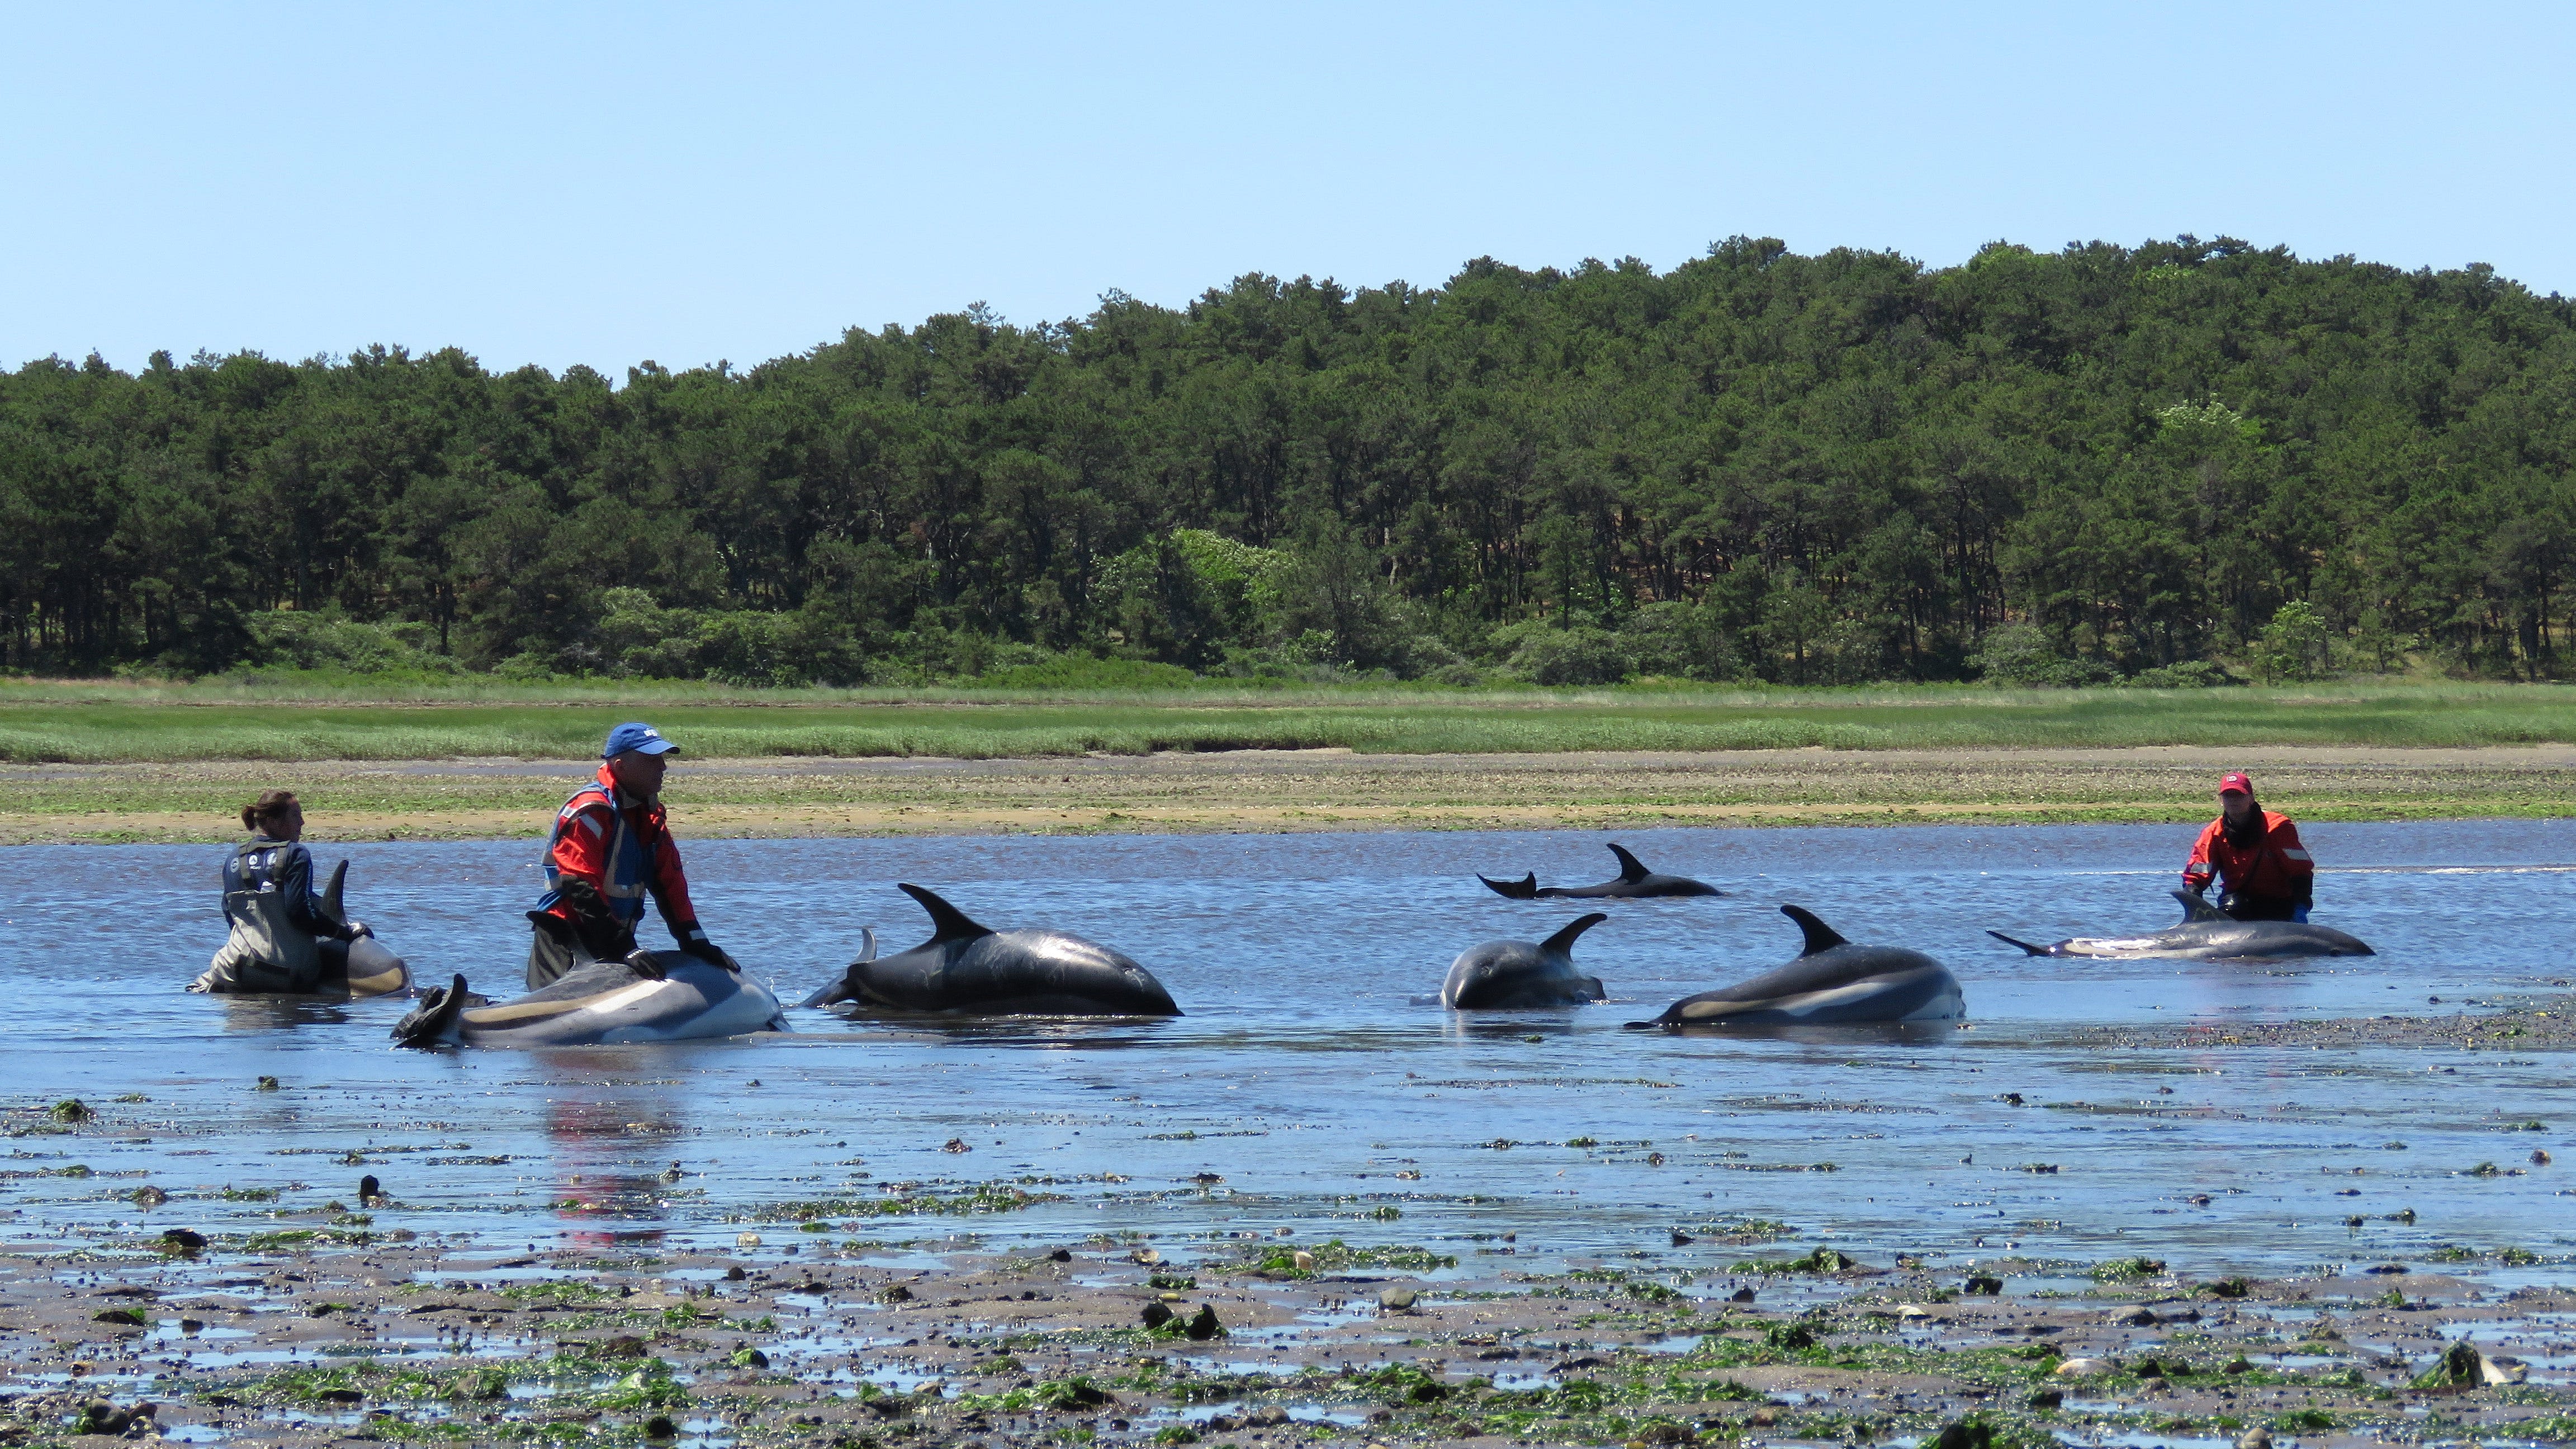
[(694, 941)]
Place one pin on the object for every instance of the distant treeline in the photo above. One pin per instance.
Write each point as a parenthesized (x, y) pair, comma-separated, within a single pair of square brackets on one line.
[(2100, 464)]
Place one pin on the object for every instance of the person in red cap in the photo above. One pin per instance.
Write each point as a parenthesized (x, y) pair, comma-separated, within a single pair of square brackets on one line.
[(2255, 854)]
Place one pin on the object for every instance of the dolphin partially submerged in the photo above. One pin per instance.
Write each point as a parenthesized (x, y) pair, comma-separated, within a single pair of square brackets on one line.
[(1635, 882), (1502, 975), (1831, 982), (2208, 934), (967, 969), (352, 969), (648, 996)]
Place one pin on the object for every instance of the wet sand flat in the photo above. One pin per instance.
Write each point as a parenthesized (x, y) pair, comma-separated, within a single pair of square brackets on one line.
[(810, 1333), (1268, 791)]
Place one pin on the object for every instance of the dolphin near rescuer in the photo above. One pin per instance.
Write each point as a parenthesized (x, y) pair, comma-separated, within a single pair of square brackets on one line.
[(966, 969), (649, 996), (1833, 982), (2207, 934), (286, 940), (1635, 882), (1506, 975)]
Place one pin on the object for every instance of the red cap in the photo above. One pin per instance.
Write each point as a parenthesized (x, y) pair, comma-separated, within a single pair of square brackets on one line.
[(2235, 783)]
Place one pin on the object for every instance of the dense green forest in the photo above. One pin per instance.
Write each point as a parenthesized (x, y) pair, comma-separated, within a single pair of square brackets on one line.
[(2159, 464)]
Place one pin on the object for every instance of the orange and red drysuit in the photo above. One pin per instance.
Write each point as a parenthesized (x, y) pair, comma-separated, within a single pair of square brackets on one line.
[(2268, 875), (617, 848)]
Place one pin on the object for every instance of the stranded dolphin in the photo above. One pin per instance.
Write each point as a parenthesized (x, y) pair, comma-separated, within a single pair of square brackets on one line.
[(2205, 934), (1634, 882), (648, 996), (353, 968), (1500, 975), (363, 966), (971, 970), (1832, 981)]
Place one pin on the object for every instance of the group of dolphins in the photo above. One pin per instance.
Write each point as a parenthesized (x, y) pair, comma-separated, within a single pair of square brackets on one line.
[(967, 969)]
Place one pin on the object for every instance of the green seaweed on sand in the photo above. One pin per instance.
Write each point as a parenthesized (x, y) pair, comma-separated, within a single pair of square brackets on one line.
[(1279, 1259)]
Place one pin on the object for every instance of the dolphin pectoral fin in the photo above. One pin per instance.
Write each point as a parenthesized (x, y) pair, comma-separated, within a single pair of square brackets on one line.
[(1524, 889), (1599, 991), (1563, 941), (867, 946), (2027, 947), (835, 990), (2196, 907), (947, 922), (331, 894), (435, 1018), (1820, 937), (1654, 1025), (1631, 869)]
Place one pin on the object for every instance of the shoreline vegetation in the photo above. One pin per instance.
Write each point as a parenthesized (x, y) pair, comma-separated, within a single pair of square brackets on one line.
[(139, 761)]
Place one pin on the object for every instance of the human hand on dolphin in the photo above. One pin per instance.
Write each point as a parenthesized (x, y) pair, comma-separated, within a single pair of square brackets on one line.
[(694, 941)]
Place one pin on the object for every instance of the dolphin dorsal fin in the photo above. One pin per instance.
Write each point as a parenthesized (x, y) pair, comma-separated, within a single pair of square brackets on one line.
[(1563, 941), (1820, 937), (331, 893), (1630, 868), (947, 922), (2197, 907)]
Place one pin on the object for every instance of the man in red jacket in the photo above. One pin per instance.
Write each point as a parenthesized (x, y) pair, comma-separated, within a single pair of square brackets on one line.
[(612, 846), (2255, 853)]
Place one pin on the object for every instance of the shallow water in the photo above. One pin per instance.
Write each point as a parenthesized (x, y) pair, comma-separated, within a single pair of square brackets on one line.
[(1309, 1080)]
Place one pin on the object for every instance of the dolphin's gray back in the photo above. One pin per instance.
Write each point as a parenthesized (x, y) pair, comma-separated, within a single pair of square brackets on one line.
[(1841, 984), (609, 1001), (1500, 975), (1024, 972)]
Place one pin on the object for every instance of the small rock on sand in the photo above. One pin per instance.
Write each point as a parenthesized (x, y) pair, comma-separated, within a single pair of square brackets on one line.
[(2084, 1368), (1395, 1300)]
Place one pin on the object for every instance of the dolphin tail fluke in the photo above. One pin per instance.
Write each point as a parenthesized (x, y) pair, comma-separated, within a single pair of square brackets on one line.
[(1820, 937), (1524, 889), (2027, 948), (331, 894), (431, 1022), (947, 922), (2196, 907), (1631, 869), (1563, 941)]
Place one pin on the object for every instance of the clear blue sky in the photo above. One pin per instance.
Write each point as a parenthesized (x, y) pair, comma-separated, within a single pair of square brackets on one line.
[(557, 184)]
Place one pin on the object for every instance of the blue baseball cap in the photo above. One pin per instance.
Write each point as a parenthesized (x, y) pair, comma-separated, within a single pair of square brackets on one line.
[(636, 737)]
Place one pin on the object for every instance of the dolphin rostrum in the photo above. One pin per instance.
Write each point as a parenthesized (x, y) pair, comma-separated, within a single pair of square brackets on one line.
[(1634, 882), (646, 997), (967, 969), (2207, 934), (1832, 981), (1501, 975)]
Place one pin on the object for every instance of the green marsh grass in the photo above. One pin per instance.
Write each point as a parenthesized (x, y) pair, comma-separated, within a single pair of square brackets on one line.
[(110, 722)]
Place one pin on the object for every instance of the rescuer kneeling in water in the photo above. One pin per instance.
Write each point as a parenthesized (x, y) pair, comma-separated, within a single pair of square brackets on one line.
[(279, 924), (2255, 854), (612, 844)]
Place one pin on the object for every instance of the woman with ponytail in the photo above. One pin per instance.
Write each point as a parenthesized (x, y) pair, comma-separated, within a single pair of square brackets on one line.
[(279, 924)]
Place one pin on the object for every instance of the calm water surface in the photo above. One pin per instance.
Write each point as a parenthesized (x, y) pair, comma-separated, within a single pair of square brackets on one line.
[(1311, 1079)]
